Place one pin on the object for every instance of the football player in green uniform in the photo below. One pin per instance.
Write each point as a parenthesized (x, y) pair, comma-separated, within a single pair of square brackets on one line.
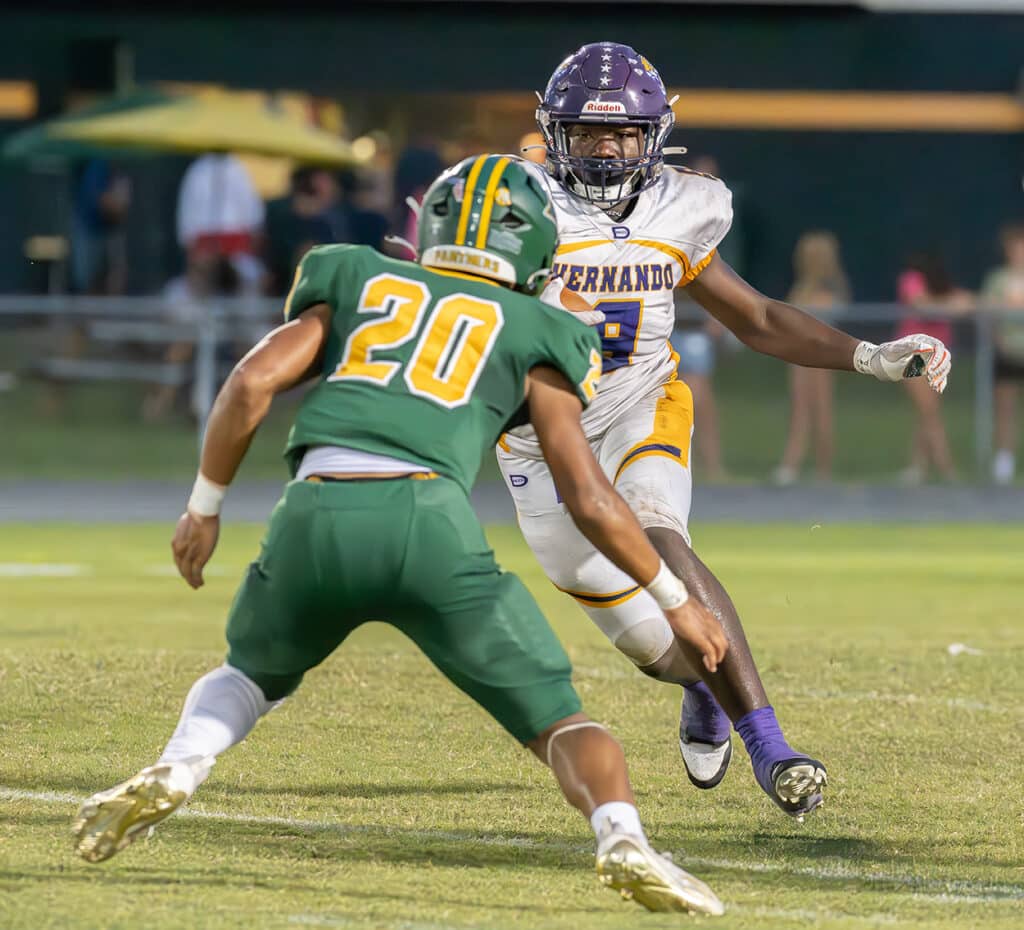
[(419, 368)]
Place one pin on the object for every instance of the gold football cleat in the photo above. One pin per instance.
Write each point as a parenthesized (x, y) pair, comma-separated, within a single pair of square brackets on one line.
[(111, 820), (628, 865)]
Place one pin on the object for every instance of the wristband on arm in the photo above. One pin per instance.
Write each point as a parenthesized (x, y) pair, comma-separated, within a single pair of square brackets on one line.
[(667, 589), (206, 497)]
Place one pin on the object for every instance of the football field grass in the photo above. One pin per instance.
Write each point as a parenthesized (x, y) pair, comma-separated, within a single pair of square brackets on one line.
[(379, 797)]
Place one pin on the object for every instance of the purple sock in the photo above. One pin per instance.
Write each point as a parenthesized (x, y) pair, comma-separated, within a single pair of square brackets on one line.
[(706, 722), (763, 738)]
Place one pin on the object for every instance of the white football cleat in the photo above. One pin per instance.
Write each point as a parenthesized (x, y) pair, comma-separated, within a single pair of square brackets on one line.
[(111, 820), (627, 864), (706, 763)]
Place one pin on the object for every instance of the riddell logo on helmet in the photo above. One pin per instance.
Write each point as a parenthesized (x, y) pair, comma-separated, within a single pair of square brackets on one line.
[(603, 106)]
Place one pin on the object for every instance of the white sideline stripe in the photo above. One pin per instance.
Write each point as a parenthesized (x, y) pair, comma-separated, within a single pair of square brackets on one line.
[(962, 891), (43, 569)]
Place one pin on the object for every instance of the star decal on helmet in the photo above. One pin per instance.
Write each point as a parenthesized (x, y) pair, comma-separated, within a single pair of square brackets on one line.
[(599, 89)]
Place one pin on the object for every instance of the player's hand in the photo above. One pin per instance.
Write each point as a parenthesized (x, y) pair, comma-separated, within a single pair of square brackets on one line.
[(911, 357), (194, 540), (555, 294), (696, 626)]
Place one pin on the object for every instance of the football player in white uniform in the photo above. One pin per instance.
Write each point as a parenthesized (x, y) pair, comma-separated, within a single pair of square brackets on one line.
[(631, 230)]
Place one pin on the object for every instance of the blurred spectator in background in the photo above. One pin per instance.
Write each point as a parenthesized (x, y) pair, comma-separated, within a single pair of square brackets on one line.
[(1003, 288), (220, 212), (694, 342), (375, 190), (417, 167), (98, 250), (208, 274), (316, 211), (295, 223), (820, 285), (927, 284), (365, 225)]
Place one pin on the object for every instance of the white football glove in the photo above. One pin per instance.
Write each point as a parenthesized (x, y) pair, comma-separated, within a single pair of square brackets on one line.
[(555, 295), (909, 357)]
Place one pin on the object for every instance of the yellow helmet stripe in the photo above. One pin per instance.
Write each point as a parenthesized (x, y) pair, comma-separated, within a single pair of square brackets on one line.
[(492, 188), (467, 199)]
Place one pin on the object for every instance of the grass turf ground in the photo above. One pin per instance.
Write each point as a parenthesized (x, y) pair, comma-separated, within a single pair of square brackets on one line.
[(378, 797)]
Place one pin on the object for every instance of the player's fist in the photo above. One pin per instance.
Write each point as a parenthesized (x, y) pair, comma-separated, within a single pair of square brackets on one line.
[(911, 357), (194, 540), (698, 628)]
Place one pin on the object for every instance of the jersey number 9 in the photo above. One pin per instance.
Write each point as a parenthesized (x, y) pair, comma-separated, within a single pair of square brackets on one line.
[(620, 331)]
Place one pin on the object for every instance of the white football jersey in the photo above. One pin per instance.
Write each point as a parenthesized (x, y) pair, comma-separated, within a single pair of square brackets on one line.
[(628, 270)]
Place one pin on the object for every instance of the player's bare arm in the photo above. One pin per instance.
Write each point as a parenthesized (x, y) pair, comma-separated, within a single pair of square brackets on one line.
[(786, 332), (600, 513), (281, 360)]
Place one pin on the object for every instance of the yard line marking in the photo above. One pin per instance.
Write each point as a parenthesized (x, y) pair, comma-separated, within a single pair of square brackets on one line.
[(43, 569), (941, 889)]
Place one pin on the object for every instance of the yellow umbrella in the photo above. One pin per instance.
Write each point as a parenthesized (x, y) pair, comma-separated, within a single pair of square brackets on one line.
[(212, 123)]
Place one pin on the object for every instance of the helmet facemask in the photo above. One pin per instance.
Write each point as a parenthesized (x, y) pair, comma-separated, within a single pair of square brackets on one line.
[(605, 182)]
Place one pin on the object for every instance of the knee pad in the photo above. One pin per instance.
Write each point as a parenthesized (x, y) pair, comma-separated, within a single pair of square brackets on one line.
[(647, 641)]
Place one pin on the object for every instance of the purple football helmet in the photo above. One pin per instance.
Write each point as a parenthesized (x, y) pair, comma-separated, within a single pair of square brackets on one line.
[(605, 83)]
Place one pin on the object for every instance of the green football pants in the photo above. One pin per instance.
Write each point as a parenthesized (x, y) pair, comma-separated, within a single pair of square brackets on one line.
[(411, 553)]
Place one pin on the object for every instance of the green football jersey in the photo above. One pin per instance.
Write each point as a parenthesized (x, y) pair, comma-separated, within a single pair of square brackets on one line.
[(425, 366)]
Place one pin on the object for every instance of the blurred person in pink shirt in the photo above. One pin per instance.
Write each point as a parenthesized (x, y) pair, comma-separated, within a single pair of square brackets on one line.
[(926, 283)]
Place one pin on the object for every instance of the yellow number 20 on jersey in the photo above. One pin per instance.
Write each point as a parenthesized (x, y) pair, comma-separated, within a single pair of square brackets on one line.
[(451, 354)]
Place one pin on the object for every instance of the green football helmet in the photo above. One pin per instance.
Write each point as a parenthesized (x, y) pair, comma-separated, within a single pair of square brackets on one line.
[(489, 216)]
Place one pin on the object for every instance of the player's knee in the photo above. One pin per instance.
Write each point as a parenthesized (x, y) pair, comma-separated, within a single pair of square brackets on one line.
[(646, 642)]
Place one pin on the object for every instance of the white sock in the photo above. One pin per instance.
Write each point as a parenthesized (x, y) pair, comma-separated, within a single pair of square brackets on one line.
[(220, 711), (617, 817)]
